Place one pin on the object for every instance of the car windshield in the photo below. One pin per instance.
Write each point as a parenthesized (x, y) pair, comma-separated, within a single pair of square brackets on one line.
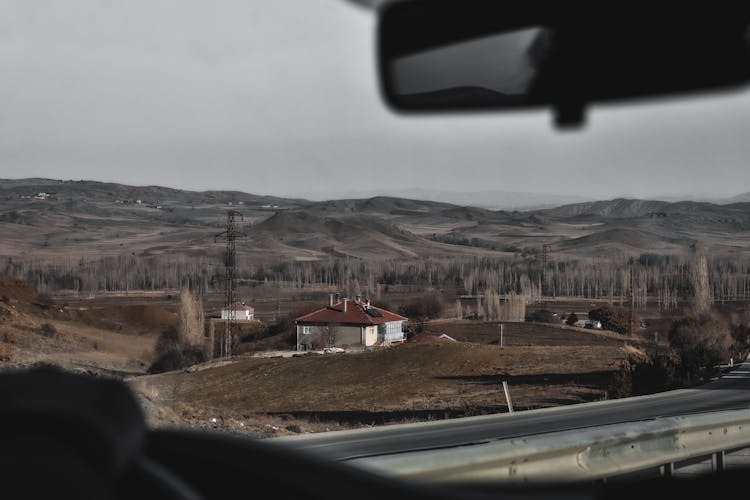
[(210, 202)]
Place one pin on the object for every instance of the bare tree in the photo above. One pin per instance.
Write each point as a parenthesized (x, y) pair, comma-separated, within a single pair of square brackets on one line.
[(702, 299), (513, 308), (185, 345), (192, 320), (330, 335)]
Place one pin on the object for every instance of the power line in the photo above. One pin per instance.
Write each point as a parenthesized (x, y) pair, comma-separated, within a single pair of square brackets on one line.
[(230, 235)]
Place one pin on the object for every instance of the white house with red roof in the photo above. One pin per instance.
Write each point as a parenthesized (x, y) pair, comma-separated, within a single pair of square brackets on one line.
[(238, 310), (347, 323)]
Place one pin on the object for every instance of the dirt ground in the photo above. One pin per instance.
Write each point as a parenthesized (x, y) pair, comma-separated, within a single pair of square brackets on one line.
[(110, 340), (521, 334), (427, 378)]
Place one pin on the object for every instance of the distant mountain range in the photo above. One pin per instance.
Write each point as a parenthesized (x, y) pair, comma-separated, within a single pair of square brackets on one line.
[(500, 199), (740, 198), (490, 199), (69, 219)]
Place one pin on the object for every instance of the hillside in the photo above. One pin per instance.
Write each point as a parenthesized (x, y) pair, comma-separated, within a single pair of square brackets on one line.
[(85, 218), (34, 330), (622, 240), (740, 198), (618, 208), (363, 236), (378, 205), (93, 191)]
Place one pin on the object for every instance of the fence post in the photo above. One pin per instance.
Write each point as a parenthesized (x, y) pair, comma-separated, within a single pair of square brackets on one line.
[(667, 471), (717, 461), (507, 397)]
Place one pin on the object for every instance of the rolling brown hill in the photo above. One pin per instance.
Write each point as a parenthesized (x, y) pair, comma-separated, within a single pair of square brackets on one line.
[(626, 241), (84, 218), (109, 340), (363, 236)]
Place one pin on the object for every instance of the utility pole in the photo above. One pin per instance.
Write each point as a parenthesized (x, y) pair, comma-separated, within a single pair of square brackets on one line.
[(230, 235)]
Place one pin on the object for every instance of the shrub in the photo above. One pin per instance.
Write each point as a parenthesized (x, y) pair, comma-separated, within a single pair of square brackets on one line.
[(621, 385), (419, 312), (283, 324), (611, 318), (543, 316), (741, 336), (656, 374), (637, 377), (176, 359), (702, 343), (173, 353), (427, 307), (48, 330)]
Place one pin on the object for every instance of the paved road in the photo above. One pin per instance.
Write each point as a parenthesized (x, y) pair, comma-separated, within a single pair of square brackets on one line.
[(732, 391)]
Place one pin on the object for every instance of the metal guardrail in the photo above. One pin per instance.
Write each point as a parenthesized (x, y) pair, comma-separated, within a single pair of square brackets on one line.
[(579, 455)]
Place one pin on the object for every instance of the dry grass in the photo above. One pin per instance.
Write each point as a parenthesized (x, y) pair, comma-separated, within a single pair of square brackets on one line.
[(545, 365), (108, 339), (428, 379)]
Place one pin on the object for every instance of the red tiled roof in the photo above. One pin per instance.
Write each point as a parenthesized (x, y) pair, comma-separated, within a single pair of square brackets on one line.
[(355, 315), (239, 306)]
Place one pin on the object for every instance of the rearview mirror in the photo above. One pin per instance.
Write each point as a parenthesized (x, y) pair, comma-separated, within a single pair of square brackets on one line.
[(439, 55)]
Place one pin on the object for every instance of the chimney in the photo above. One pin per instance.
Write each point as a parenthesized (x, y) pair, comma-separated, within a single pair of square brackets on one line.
[(330, 300), (345, 299), (358, 298), (338, 298)]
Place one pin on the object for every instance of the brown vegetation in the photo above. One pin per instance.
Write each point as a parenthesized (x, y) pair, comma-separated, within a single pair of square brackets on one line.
[(439, 376), (185, 345), (33, 330)]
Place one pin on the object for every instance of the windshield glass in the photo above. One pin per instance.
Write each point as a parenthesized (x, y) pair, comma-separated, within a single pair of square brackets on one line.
[(212, 203)]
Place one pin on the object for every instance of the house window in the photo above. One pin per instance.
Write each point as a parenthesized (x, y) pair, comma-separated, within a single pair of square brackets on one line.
[(306, 330)]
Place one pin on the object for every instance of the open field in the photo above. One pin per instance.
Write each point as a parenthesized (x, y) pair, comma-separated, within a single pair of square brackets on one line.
[(426, 379)]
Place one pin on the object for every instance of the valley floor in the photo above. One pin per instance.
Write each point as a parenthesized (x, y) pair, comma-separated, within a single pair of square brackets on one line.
[(427, 378)]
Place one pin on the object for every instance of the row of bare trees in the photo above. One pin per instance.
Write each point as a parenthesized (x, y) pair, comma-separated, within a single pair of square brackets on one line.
[(667, 278)]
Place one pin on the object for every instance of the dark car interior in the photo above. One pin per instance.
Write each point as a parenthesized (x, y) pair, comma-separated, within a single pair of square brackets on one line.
[(74, 436)]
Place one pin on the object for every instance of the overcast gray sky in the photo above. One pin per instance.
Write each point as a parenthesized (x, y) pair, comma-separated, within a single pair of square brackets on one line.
[(280, 96)]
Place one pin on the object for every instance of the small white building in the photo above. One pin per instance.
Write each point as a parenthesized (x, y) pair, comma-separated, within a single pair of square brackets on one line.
[(238, 310)]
